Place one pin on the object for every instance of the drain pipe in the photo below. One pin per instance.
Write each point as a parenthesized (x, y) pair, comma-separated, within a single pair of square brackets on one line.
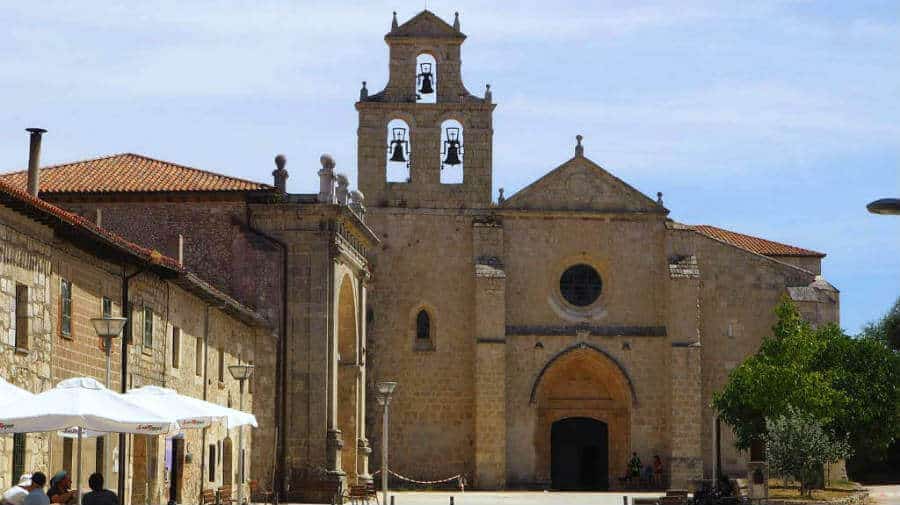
[(123, 387)]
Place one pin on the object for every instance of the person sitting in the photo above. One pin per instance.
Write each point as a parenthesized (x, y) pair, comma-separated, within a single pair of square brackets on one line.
[(99, 495), (16, 494), (657, 471), (37, 496), (647, 476), (60, 488)]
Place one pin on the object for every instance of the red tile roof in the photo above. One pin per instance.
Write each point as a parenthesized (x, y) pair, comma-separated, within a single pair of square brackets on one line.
[(74, 225), (754, 244), (130, 173)]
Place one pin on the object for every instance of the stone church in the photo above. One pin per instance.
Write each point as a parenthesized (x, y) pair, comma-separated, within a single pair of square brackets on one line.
[(538, 339)]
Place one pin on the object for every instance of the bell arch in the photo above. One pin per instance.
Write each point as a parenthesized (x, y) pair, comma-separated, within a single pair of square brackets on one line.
[(348, 369), (583, 382), (426, 78), (452, 156), (399, 151)]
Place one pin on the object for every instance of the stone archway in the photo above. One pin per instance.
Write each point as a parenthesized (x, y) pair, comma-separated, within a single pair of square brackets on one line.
[(347, 376), (583, 383)]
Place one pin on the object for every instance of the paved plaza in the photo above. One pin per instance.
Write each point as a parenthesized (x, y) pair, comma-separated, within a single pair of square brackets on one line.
[(512, 498)]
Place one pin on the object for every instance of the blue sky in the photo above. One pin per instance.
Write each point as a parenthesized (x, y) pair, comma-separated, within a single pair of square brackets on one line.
[(778, 119)]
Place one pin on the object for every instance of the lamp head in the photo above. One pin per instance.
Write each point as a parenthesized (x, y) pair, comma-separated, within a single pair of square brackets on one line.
[(241, 372), (386, 388), (109, 327)]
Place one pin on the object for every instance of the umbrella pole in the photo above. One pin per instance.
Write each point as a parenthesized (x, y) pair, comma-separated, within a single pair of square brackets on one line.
[(78, 472)]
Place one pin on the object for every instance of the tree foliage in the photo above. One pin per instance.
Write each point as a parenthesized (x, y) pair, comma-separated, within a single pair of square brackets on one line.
[(887, 329), (850, 386), (798, 446)]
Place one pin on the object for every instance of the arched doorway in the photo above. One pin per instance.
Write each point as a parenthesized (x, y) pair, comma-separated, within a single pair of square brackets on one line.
[(348, 371), (579, 452), (227, 453), (583, 399)]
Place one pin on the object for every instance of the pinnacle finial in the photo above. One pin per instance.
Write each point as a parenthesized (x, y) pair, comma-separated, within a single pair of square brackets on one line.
[(488, 96), (456, 21), (363, 92), (579, 149), (394, 22), (659, 199)]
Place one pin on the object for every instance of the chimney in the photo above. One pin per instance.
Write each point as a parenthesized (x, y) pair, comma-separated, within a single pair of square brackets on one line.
[(280, 174), (34, 160)]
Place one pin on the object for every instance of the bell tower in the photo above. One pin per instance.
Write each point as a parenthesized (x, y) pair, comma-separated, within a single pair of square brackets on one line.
[(425, 141)]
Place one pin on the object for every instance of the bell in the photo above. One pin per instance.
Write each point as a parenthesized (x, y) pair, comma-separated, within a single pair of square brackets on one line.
[(452, 154), (426, 88), (397, 154)]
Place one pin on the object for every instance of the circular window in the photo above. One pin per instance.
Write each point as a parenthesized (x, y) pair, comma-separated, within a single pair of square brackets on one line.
[(580, 285)]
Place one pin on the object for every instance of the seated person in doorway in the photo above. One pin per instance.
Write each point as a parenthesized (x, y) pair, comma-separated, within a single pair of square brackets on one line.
[(60, 488), (647, 476), (99, 495), (37, 496)]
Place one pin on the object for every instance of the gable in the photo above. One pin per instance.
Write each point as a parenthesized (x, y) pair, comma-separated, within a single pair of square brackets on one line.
[(581, 185), (425, 25)]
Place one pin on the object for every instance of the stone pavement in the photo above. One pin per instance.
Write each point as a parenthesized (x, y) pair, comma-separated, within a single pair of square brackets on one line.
[(512, 498)]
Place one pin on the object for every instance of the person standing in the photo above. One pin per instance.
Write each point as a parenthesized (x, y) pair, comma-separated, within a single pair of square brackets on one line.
[(60, 488), (37, 496), (99, 495), (16, 494)]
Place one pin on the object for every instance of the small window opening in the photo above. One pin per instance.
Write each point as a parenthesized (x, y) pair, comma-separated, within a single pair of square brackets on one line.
[(423, 326), (21, 317), (176, 347)]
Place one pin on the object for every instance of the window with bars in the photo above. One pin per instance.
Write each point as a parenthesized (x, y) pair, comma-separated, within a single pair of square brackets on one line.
[(18, 456), (212, 462), (176, 347), (21, 316), (221, 365), (65, 308), (148, 327)]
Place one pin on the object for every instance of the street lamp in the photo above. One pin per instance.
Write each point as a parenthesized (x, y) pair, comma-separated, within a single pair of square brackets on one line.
[(885, 206), (108, 328), (241, 373), (385, 390)]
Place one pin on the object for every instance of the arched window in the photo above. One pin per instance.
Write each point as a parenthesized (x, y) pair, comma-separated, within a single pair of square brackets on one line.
[(423, 326), (398, 151), (426, 79), (452, 152)]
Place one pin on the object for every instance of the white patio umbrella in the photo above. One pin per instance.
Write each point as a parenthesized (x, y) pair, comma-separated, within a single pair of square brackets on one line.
[(11, 394), (83, 403), (189, 412)]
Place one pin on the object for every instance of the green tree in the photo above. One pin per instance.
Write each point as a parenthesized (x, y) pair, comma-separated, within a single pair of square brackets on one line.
[(887, 329), (848, 385), (798, 446)]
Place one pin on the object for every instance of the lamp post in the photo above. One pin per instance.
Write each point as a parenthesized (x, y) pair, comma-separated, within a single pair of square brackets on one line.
[(241, 373), (108, 328), (383, 395)]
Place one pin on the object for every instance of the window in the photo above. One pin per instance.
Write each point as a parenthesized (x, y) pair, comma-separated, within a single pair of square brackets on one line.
[(100, 454), (212, 462), (65, 308), (426, 79), (67, 455), (580, 285), (221, 365), (399, 151), (452, 152), (148, 327), (106, 308), (21, 316), (198, 356), (18, 456), (176, 347), (423, 326)]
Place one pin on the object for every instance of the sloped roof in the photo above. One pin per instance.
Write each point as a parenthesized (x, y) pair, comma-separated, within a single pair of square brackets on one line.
[(74, 227), (130, 173), (754, 244), (425, 24)]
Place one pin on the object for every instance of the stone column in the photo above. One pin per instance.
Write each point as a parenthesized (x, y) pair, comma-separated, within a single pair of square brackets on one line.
[(363, 449), (490, 358), (333, 440)]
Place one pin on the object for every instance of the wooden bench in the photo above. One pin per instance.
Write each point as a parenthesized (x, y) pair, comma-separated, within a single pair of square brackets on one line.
[(226, 494), (256, 492), (363, 494)]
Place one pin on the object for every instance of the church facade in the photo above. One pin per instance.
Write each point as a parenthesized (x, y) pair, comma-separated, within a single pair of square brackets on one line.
[(538, 340)]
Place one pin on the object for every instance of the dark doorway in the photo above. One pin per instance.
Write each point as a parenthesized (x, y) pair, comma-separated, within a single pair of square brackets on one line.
[(579, 450), (175, 464)]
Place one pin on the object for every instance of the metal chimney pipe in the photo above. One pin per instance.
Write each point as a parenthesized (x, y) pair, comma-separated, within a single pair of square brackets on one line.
[(34, 160)]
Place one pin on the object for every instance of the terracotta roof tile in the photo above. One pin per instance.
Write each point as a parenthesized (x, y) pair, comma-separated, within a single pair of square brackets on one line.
[(754, 244), (130, 173)]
